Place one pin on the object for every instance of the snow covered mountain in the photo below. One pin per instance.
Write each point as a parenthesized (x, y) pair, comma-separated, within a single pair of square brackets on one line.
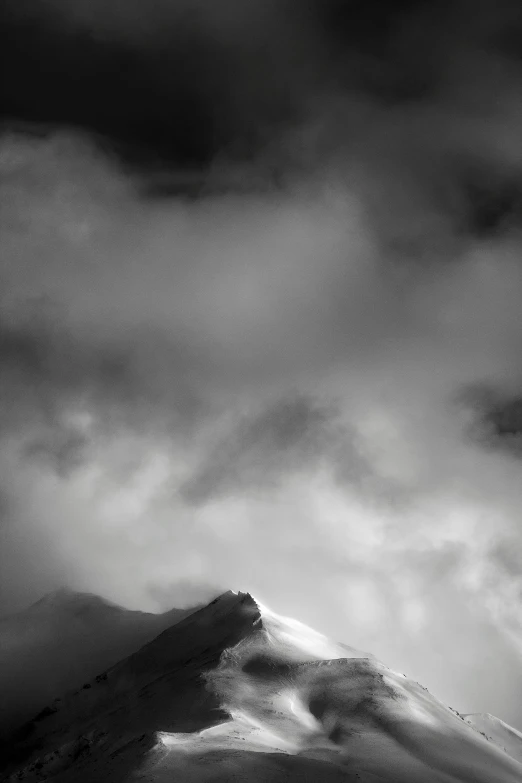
[(234, 692), (61, 642), (506, 737)]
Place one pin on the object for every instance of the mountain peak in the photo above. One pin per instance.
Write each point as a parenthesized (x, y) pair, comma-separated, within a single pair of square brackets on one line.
[(67, 599), (276, 700)]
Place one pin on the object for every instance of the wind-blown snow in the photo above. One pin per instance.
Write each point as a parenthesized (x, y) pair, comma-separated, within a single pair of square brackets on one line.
[(506, 737), (301, 638), (236, 692)]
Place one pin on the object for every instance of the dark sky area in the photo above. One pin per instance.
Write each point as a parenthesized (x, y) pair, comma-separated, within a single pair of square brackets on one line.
[(260, 320)]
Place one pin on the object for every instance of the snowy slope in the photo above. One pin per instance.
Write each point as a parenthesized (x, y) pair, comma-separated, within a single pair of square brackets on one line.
[(235, 692), (61, 642), (506, 737)]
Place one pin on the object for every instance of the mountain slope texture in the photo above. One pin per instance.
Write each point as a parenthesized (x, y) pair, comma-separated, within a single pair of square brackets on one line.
[(234, 692), (63, 641)]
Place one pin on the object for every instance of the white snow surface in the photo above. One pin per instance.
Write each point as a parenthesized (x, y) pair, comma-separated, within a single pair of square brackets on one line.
[(503, 735), (236, 692), (303, 640)]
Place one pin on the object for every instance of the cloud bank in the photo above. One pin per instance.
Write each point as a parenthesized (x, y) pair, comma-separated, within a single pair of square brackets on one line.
[(300, 379)]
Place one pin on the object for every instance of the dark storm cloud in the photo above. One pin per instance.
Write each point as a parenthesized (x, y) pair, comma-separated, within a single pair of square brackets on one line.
[(178, 77), (506, 418), (496, 417), (191, 79), (416, 97)]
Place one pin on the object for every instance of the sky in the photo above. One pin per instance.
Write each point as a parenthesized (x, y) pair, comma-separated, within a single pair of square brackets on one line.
[(260, 318)]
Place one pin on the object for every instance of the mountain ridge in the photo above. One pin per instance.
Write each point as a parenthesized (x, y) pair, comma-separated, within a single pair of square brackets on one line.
[(60, 642), (235, 691)]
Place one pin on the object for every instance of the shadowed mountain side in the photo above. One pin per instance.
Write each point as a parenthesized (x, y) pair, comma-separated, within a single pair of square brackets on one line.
[(235, 692), (157, 688), (61, 642)]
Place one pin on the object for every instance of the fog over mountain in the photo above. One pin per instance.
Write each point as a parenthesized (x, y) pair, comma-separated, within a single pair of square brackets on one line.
[(260, 319), (62, 641)]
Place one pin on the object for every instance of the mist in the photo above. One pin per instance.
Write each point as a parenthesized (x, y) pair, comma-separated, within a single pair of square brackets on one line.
[(293, 381)]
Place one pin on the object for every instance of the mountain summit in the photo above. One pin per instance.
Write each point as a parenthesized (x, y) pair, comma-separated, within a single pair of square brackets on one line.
[(236, 692), (65, 599)]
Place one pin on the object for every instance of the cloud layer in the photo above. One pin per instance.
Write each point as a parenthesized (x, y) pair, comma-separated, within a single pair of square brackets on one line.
[(295, 378)]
